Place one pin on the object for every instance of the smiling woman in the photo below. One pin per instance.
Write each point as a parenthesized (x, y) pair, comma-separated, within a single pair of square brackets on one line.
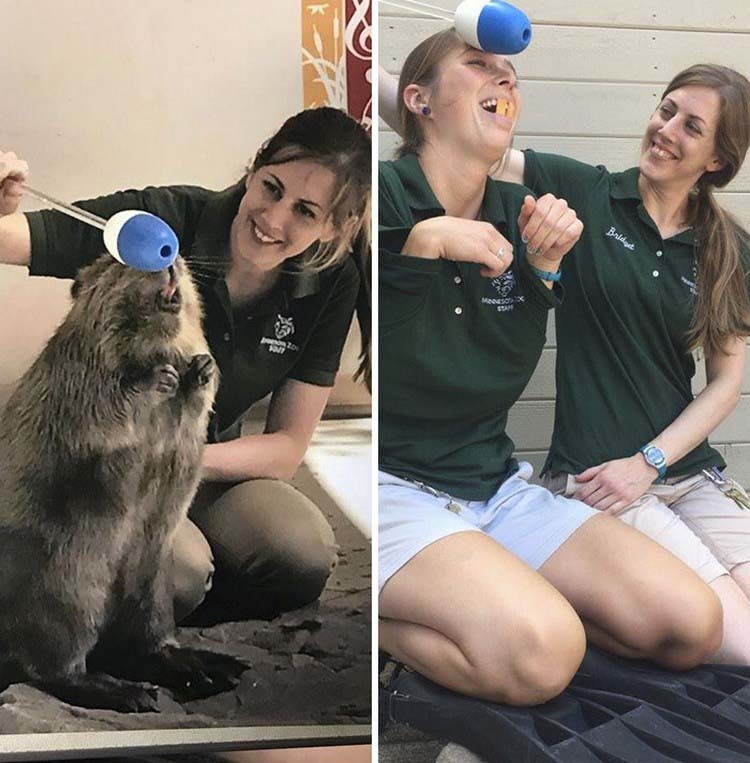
[(629, 437), (277, 259)]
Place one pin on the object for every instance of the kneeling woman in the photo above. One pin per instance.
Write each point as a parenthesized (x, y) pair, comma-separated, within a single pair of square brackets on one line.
[(271, 258), (488, 583)]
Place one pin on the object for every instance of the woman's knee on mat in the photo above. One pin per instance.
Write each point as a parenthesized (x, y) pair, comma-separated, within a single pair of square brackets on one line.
[(533, 659), (684, 629)]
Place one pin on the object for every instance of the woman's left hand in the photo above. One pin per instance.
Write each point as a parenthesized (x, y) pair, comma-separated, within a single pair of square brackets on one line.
[(612, 486), (550, 229)]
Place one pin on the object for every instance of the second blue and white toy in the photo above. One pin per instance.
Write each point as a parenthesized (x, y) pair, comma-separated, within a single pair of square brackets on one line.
[(494, 26), (135, 238), (490, 25)]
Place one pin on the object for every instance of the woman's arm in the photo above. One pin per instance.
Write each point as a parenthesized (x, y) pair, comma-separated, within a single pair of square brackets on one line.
[(294, 412), (613, 485)]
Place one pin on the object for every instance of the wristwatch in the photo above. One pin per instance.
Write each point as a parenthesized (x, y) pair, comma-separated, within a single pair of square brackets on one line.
[(655, 457)]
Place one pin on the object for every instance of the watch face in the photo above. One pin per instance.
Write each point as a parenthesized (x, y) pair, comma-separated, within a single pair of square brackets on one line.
[(654, 456)]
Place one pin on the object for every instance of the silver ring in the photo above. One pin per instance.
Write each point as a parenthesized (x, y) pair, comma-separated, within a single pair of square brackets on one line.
[(500, 253)]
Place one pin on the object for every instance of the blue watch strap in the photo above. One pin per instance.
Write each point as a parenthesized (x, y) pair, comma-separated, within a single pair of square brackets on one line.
[(546, 275)]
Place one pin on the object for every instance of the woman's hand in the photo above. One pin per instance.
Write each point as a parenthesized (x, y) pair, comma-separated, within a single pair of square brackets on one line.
[(293, 414), (612, 486), (13, 172), (550, 229), (453, 238)]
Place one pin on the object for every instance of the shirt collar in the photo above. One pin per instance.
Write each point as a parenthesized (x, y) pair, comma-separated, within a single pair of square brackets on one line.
[(624, 185), (419, 195), (211, 244)]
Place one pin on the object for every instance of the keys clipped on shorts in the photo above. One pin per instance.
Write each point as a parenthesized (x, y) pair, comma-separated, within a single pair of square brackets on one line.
[(728, 486), (451, 505)]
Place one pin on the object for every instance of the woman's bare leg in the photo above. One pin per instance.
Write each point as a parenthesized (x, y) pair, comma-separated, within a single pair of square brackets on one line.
[(635, 598), (472, 617)]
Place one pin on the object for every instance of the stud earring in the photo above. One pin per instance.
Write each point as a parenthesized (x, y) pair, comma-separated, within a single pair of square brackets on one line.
[(426, 111)]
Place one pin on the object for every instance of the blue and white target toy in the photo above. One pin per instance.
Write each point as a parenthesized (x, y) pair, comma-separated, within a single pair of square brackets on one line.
[(490, 25), (494, 26), (138, 239)]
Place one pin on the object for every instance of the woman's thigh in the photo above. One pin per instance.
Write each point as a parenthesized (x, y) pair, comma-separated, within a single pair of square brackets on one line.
[(636, 593), (441, 573), (472, 590)]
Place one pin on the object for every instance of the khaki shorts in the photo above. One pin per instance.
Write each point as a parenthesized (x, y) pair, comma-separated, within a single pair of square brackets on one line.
[(690, 517)]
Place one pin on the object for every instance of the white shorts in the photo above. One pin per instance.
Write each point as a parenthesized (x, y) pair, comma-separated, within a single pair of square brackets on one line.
[(525, 519)]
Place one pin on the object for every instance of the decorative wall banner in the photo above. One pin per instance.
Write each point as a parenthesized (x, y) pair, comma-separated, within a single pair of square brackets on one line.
[(337, 56)]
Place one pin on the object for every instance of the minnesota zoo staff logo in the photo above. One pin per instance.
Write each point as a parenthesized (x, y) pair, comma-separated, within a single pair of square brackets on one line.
[(504, 285), (282, 328)]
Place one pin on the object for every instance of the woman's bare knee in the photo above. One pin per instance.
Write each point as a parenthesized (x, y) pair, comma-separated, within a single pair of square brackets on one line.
[(687, 630), (539, 657)]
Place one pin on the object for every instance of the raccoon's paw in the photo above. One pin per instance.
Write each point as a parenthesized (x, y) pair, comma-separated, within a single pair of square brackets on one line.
[(197, 673), (200, 371)]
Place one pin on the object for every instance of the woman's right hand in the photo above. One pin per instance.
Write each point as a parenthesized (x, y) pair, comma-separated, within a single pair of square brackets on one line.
[(453, 238), (13, 173)]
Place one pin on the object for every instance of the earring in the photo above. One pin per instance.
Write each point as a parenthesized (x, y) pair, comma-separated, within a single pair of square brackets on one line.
[(426, 111)]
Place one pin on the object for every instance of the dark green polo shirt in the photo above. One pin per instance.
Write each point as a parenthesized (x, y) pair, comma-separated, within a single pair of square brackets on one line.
[(297, 332), (456, 349), (623, 366)]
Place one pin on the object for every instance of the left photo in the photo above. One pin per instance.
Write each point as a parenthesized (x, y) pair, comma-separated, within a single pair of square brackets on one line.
[(185, 389)]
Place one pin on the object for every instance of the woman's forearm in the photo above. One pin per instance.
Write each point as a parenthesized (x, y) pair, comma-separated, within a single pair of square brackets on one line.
[(717, 400), (274, 456)]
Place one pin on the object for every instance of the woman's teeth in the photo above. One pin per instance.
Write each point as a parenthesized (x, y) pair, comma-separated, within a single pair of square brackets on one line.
[(660, 152), (500, 106), (262, 236)]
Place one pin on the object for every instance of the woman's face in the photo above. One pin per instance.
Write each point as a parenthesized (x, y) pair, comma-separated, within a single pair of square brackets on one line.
[(475, 102), (285, 209), (680, 140)]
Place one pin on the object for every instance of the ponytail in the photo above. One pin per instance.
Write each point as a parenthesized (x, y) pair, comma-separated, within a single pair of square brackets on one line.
[(722, 310)]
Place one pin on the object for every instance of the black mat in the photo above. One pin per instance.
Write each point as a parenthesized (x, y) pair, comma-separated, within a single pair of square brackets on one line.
[(615, 710)]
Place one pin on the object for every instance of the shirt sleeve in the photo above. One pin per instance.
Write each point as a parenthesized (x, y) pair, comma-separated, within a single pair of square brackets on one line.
[(321, 356), (60, 245), (403, 280), (566, 178)]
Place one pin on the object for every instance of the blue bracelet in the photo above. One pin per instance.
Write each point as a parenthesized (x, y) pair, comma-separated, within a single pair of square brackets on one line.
[(546, 275)]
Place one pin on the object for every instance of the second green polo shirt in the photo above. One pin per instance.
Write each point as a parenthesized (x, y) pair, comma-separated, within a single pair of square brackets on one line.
[(456, 349), (624, 369)]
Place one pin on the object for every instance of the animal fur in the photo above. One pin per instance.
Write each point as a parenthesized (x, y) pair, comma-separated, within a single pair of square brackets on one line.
[(100, 449)]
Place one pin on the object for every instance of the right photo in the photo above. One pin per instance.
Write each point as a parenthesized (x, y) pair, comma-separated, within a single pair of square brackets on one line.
[(564, 404)]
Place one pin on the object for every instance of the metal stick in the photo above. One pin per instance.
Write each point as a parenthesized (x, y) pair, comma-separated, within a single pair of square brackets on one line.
[(79, 214), (410, 5)]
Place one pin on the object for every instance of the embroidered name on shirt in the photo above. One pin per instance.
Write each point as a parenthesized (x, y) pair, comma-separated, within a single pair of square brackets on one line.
[(690, 284), (612, 233)]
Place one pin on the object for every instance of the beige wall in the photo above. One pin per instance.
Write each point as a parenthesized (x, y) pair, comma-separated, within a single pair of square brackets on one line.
[(590, 78), (100, 95)]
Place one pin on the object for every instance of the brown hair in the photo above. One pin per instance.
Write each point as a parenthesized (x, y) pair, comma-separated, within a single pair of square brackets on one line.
[(331, 138), (722, 310), (420, 68)]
